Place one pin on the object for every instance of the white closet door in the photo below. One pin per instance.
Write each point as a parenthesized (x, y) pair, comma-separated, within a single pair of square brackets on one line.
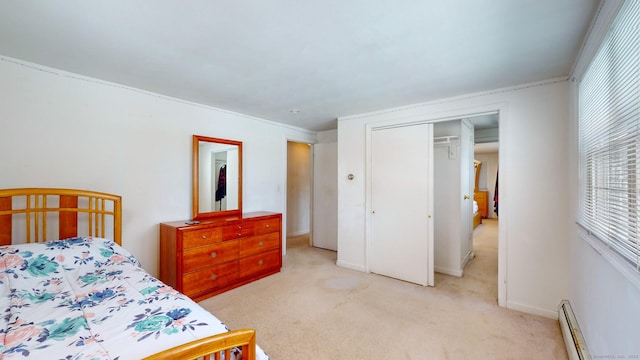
[(401, 203)]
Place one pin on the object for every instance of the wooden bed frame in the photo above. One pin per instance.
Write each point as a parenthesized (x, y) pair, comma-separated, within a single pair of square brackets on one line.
[(68, 211), (477, 219), (41, 214)]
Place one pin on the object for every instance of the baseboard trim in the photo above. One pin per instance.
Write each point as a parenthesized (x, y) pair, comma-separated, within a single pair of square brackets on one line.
[(466, 259), (351, 266), (448, 271), (551, 314), (298, 233)]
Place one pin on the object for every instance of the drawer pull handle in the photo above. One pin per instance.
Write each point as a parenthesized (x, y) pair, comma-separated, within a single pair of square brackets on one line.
[(260, 262), (213, 255), (268, 225), (204, 236), (239, 227), (260, 243), (239, 234), (214, 276)]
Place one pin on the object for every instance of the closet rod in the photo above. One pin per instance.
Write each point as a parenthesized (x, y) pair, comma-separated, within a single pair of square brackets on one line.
[(445, 139)]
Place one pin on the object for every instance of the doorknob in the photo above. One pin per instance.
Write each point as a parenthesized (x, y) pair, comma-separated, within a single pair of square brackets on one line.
[(466, 197)]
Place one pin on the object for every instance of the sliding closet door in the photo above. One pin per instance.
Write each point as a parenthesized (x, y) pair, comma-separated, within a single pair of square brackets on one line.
[(401, 235)]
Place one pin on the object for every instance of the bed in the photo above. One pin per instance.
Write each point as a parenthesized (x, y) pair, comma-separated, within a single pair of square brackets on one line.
[(477, 215), (69, 290)]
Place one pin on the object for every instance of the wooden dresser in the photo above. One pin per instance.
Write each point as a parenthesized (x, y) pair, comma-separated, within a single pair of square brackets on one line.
[(220, 254), (482, 198)]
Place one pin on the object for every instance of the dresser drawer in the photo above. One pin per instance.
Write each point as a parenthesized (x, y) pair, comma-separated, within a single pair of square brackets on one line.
[(267, 226), (204, 256), (202, 260), (200, 237), (256, 264), (209, 278), (259, 243), (238, 230)]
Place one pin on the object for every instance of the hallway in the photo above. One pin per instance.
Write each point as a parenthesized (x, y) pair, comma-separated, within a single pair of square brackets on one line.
[(480, 277)]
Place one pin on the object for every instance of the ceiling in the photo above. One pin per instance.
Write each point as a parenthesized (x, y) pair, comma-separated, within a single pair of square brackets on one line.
[(302, 63)]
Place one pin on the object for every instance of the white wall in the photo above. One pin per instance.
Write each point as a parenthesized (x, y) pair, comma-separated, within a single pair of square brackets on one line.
[(533, 233), (605, 302), (64, 130), (298, 188)]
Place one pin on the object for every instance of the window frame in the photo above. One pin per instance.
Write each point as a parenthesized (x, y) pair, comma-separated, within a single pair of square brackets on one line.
[(590, 229)]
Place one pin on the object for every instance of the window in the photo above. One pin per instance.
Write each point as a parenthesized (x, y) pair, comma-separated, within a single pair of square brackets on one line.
[(609, 138)]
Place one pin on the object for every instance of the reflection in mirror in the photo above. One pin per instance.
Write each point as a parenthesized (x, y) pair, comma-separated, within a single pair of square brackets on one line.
[(217, 177)]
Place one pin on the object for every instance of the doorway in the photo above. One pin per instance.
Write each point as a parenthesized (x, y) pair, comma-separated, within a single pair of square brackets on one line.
[(485, 235), (299, 172)]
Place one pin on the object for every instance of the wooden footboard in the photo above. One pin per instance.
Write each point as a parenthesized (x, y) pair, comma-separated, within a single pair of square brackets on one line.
[(213, 346), (477, 219)]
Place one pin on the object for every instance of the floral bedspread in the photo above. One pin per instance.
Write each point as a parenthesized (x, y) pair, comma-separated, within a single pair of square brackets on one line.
[(88, 298)]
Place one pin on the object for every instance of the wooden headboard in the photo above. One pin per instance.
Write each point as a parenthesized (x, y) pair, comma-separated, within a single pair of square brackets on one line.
[(41, 214)]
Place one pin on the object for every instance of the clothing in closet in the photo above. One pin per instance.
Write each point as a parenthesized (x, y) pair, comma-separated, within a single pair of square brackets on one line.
[(221, 192)]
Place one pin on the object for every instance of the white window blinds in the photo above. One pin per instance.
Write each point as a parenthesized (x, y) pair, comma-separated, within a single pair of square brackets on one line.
[(609, 138)]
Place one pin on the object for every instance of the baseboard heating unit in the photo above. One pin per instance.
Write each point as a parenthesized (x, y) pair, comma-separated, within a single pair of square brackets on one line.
[(576, 346)]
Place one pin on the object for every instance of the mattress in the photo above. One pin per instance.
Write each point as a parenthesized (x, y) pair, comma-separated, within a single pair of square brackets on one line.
[(88, 298)]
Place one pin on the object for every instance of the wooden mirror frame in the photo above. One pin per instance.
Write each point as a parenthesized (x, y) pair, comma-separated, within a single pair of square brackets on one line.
[(197, 215), (477, 166)]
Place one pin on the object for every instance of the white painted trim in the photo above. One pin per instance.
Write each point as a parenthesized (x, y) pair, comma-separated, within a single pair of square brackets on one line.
[(600, 25), (311, 185), (301, 232), (533, 310), (351, 266), (459, 113), (452, 114), (367, 197), (431, 280), (466, 259), (298, 139), (285, 177), (503, 206), (448, 271)]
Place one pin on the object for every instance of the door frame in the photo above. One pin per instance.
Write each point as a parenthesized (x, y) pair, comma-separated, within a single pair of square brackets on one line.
[(469, 188), (283, 191), (503, 175)]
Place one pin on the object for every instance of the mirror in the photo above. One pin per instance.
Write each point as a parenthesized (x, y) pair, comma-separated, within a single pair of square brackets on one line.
[(217, 177)]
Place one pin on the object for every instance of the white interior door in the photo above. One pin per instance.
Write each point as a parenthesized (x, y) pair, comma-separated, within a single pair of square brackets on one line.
[(401, 235), (467, 184), (325, 196)]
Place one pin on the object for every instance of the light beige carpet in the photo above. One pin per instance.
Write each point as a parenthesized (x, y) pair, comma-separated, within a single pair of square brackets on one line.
[(314, 309)]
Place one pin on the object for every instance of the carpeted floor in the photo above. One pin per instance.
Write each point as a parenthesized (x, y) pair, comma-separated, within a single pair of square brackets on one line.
[(314, 309)]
